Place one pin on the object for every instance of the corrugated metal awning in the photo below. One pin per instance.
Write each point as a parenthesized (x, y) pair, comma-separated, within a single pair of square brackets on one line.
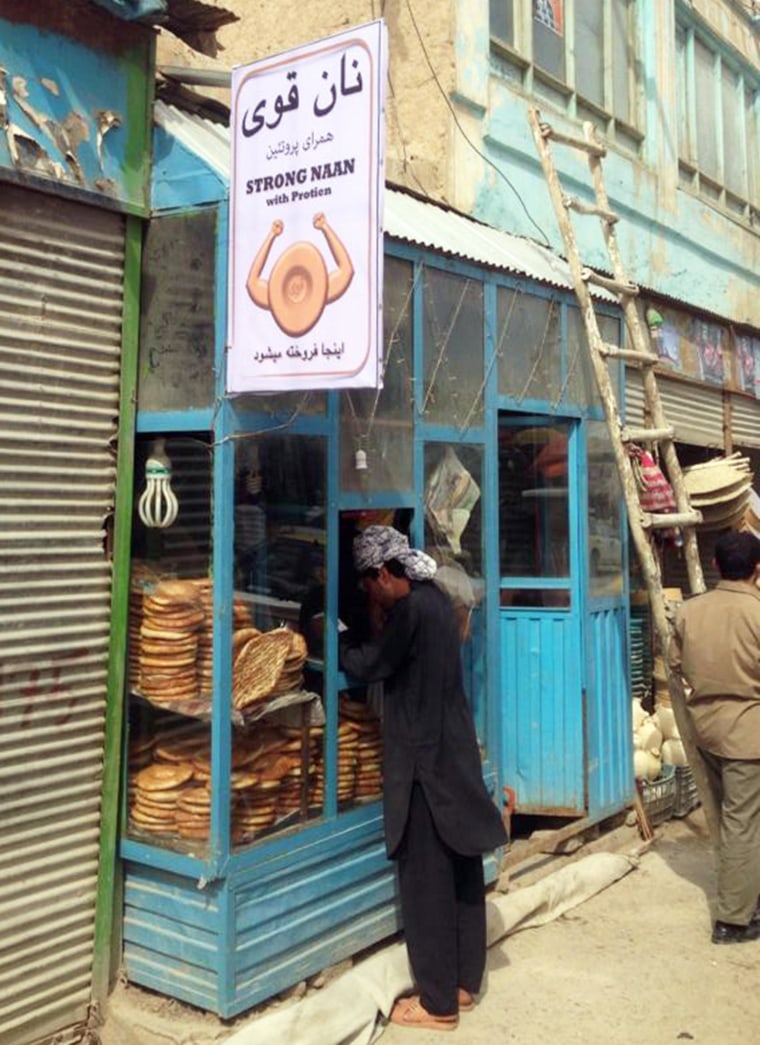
[(408, 218), (434, 227)]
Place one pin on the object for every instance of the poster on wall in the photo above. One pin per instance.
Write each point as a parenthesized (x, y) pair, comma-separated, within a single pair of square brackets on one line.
[(748, 360), (306, 193), (667, 345), (708, 338)]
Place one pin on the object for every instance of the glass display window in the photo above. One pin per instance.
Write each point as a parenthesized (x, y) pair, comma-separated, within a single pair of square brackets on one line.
[(376, 424), (579, 386), (169, 643), (534, 516), (605, 537), (529, 345), (452, 339), (278, 571), (279, 584), (454, 538), (281, 406)]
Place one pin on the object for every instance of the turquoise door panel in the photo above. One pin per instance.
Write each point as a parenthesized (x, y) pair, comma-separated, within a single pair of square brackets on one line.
[(543, 753), (609, 730)]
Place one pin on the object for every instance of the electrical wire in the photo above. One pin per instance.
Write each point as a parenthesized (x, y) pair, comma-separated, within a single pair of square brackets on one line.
[(407, 162), (464, 134)]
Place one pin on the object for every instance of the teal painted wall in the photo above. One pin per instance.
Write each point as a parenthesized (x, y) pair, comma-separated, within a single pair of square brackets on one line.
[(671, 241), (77, 111)]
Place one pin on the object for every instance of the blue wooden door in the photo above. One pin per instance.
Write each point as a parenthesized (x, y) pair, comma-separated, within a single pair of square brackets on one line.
[(541, 626)]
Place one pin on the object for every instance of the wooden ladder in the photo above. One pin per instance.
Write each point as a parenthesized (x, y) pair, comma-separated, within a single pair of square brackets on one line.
[(642, 524)]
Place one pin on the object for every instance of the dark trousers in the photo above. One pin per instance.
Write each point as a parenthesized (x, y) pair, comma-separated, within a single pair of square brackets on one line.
[(736, 782), (443, 907)]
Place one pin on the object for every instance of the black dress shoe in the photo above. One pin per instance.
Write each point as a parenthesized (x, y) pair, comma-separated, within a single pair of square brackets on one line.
[(725, 932)]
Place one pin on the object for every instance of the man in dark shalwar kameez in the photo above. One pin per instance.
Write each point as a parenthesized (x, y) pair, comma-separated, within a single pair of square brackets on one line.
[(439, 818)]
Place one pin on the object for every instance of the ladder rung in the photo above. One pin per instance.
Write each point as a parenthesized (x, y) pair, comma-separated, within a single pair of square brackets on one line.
[(629, 290), (646, 435), (573, 203), (661, 522), (630, 355), (547, 131)]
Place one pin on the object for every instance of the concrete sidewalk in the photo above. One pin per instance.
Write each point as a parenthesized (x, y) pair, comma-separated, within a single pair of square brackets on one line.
[(632, 966)]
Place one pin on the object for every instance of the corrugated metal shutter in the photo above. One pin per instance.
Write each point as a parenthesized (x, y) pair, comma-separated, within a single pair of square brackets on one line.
[(695, 411), (634, 398), (745, 421), (61, 296)]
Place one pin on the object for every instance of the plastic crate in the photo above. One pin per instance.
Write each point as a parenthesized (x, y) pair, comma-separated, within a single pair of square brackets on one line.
[(687, 797), (659, 796)]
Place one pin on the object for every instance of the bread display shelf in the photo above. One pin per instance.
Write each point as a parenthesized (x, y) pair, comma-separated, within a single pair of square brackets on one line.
[(201, 708), (277, 773), (277, 760), (171, 653)]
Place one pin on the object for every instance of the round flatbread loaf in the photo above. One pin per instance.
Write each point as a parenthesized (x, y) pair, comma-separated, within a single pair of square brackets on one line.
[(175, 591), (162, 776), (258, 666)]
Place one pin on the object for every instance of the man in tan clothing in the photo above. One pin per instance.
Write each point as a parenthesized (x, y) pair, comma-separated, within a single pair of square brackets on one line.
[(716, 648)]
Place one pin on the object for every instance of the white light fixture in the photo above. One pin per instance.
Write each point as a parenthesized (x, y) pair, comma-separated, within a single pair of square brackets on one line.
[(158, 505)]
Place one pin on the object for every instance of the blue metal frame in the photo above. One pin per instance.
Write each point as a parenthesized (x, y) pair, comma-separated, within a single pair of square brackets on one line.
[(240, 891)]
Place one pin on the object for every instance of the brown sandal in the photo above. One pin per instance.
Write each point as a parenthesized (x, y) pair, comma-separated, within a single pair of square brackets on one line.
[(410, 1012)]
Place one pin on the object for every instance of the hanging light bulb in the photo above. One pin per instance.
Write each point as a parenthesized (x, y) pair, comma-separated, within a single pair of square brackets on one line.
[(158, 505)]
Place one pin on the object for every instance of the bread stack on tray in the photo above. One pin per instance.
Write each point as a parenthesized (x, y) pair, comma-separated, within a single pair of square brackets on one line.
[(291, 677), (172, 617), (255, 811), (363, 728), (171, 649), (158, 788), (292, 789), (241, 619), (134, 641), (277, 771), (274, 755), (347, 748)]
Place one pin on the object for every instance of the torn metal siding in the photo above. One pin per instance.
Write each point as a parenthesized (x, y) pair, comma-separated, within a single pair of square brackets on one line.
[(72, 115), (61, 293)]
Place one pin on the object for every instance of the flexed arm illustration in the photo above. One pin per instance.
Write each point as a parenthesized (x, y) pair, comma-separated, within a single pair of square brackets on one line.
[(299, 285), (256, 286), (339, 278)]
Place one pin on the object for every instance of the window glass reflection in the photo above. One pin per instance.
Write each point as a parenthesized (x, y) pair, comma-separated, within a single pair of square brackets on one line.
[(376, 424), (528, 346), (533, 501), (605, 547), (452, 349)]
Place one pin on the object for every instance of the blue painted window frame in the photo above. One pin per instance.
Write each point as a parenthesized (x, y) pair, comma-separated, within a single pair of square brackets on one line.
[(226, 421)]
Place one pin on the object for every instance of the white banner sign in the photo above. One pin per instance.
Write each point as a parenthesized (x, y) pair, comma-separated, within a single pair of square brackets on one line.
[(306, 247)]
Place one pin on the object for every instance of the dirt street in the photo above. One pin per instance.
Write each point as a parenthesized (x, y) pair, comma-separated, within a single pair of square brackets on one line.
[(632, 966)]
